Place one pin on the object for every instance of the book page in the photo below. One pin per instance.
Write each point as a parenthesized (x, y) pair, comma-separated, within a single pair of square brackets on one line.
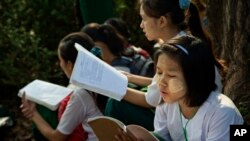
[(141, 133), (95, 75), (105, 128), (45, 93)]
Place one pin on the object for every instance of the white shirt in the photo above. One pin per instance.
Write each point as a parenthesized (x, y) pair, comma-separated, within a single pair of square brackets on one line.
[(80, 107), (211, 122), (153, 93)]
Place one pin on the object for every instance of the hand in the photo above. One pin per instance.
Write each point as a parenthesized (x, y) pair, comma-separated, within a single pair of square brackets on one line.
[(123, 136), (28, 108)]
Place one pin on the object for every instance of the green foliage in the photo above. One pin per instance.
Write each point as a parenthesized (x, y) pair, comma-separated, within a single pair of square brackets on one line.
[(30, 32), (29, 35), (129, 11)]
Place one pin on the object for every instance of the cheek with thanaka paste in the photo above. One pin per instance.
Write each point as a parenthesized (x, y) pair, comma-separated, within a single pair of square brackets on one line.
[(175, 85)]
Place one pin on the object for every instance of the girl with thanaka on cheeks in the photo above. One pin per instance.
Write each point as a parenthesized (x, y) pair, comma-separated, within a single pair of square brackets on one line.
[(192, 109), (164, 19)]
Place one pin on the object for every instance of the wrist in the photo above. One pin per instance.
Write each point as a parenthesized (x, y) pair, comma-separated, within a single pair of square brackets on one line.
[(35, 115)]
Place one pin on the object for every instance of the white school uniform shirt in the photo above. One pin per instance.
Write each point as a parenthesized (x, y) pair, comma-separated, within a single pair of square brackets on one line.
[(211, 122), (80, 107)]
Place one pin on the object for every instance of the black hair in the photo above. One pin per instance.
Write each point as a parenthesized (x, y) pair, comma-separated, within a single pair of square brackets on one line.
[(158, 8), (198, 66), (106, 34), (120, 25), (66, 46)]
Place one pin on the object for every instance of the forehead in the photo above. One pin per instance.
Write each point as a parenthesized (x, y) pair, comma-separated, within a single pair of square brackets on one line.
[(142, 12), (165, 62)]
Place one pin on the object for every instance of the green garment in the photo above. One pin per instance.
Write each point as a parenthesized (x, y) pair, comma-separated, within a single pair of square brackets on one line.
[(50, 117), (96, 10), (157, 136), (130, 114)]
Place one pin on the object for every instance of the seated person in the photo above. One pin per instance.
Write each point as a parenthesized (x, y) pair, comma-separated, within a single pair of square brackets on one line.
[(73, 110), (112, 46), (192, 107)]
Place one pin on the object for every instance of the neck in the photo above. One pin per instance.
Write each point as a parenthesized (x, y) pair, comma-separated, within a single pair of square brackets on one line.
[(108, 57), (170, 33), (188, 112)]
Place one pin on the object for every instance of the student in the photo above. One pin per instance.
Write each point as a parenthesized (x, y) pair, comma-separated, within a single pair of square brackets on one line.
[(165, 19), (123, 29), (193, 110), (141, 58), (111, 45), (74, 110)]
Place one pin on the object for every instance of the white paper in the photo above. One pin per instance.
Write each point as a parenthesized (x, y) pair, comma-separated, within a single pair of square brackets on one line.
[(95, 75), (45, 93)]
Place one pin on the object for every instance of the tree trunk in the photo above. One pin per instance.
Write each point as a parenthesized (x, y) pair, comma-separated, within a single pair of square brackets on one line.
[(229, 25)]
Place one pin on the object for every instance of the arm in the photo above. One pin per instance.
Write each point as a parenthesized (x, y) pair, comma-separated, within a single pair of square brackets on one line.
[(29, 111), (136, 97), (46, 129), (137, 79)]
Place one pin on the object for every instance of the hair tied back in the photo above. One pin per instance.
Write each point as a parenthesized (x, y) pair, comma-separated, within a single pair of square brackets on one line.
[(184, 4)]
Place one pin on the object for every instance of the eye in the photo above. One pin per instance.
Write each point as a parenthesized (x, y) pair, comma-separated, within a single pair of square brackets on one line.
[(159, 73), (169, 75)]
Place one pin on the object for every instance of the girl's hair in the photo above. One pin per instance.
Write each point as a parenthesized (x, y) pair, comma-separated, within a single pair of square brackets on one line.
[(120, 25), (197, 63), (106, 34), (67, 49), (158, 8)]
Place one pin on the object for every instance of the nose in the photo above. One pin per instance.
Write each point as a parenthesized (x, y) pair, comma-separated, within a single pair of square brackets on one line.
[(141, 25), (161, 81)]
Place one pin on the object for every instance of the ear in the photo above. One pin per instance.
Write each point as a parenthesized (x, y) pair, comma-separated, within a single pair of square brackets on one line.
[(70, 66), (163, 21)]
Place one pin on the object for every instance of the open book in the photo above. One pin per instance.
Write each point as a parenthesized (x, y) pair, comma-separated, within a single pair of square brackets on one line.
[(45, 93), (106, 128), (96, 75)]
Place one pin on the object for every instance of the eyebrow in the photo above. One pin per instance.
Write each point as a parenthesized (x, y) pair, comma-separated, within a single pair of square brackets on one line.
[(169, 69)]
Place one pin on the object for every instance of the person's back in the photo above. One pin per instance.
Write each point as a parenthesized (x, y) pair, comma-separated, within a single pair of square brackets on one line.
[(142, 59), (111, 52), (75, 109), (112, 47)]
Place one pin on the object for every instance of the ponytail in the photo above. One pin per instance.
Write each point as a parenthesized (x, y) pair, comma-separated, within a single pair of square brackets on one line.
[(195, 27)]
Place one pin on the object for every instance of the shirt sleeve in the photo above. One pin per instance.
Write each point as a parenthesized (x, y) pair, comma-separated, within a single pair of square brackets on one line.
[(73, 115), (160, 122), (153, 97)]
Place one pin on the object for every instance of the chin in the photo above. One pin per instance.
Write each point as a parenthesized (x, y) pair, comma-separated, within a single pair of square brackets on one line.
[(167, 100), (150, 39)]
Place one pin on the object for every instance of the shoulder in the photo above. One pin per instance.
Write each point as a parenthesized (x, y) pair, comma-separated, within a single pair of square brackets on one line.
[(221, 107), (122, 61), (218, 100), (82, 95)]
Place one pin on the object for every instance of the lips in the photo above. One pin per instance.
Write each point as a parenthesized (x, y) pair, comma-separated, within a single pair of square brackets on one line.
[(163, 93)]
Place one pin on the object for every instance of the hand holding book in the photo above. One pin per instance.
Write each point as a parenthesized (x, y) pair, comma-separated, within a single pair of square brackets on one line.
[(28, 107), (111, 129), (45, 93)]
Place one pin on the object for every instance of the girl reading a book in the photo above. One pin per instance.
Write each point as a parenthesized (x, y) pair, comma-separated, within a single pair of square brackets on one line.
[(75, 109), (193, 110)]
